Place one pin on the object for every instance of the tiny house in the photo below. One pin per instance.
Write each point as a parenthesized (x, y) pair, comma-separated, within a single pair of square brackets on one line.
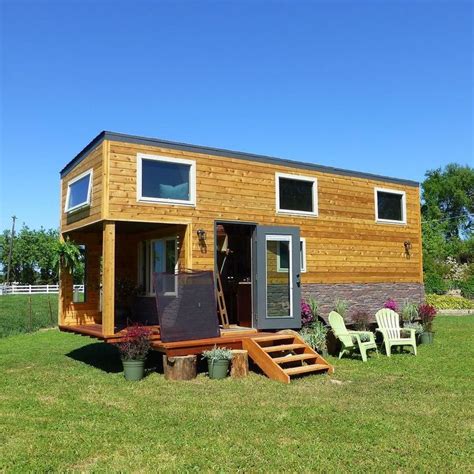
[(273, 230)]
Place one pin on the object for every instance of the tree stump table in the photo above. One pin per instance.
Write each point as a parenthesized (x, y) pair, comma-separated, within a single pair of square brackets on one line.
[(180, 367), (239, 367)]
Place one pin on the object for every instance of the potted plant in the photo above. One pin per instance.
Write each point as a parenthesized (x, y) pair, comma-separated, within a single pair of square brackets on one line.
[(66, 255), (218, 360), (427, 314), (133, 348), (315, 335), (409, 313)]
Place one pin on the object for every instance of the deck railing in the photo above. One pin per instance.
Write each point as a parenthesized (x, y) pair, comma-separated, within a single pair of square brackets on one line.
[(34, 289)]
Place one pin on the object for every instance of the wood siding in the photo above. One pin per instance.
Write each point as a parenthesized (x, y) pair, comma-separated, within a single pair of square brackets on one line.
[(344, 244), (93, 213)]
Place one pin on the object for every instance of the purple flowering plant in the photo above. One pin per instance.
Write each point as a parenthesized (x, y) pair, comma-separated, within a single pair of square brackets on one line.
[(391, 304), (306, 313)]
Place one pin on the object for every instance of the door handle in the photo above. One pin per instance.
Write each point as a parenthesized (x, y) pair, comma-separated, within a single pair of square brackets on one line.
[(298, 280)]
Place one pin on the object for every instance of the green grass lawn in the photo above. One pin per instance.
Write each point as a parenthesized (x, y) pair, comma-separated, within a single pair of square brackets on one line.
[(15, 315), (64, 405)]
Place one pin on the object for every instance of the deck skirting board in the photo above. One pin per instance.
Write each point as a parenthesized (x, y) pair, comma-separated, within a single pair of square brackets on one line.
[(368, 297)]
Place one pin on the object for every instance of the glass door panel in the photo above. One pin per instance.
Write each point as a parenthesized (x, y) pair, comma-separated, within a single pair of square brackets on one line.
[(278, 276)]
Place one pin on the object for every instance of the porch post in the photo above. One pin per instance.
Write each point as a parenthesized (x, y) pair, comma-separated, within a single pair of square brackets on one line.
[(108, 278)]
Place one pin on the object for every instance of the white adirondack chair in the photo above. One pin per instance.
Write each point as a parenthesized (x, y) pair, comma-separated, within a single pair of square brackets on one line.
[(389, 325)]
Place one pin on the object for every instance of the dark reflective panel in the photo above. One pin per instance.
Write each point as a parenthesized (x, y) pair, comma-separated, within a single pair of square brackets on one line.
[(390, 206), (296, 195)]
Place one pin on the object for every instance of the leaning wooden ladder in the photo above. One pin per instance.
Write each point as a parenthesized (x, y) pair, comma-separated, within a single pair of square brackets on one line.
[(221, 304)]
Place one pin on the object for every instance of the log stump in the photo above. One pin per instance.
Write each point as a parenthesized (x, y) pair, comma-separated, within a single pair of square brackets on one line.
[(239, 364), (180, 367)]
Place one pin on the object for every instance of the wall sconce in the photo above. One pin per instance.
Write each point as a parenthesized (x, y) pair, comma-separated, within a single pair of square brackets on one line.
[(201, 233), (407, 245)]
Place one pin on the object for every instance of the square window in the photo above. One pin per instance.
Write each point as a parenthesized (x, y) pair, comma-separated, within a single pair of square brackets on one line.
[(166, 180), (79, 191), (390, 206), (296, 194)]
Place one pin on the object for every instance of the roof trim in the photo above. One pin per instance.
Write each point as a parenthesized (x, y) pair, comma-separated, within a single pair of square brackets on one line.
[(220, 152)]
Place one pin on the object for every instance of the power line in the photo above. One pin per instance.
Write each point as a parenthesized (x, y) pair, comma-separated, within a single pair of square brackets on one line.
[(469, 214)]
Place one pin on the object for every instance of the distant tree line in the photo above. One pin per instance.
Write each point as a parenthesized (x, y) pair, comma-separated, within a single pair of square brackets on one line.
[(447, 198), (35, 256)]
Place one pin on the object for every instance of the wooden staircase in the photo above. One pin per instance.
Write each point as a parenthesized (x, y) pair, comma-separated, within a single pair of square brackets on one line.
[(282, 356)]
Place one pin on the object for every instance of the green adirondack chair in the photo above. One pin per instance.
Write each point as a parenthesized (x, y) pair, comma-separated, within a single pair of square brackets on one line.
[(389, 325), (351, 340)]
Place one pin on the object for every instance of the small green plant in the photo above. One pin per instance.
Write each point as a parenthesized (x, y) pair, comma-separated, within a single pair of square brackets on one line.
[(409, 312), (315, 335), (217, 353), (416, 326), (341, 307), (313, 304)]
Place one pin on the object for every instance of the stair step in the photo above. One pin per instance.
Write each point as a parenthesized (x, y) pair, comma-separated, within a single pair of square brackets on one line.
[(276, 337), (293, 358), (305, 368), (284, 347)]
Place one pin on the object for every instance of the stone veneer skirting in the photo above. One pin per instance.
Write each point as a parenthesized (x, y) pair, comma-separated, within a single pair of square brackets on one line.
[(361, 296)]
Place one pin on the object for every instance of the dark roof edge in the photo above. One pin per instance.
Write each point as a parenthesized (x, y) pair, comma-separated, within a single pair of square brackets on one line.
[(121, 137)]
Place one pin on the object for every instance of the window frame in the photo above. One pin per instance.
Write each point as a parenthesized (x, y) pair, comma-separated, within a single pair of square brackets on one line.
[(296, 177), (302, 261), (87, 202), (167, 159), (404, 206)]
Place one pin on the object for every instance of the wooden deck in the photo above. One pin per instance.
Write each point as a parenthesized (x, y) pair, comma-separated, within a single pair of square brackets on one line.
[(231, 337), (280, 356)]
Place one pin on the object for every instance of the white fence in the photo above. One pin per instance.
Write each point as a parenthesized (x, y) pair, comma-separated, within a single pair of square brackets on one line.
[(34, 289)]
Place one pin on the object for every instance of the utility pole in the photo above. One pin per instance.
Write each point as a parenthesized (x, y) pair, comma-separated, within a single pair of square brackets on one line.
[(11, 249)]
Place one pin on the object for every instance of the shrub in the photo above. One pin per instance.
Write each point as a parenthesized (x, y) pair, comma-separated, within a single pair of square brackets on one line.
[(449, 302), (467, 287), (361, 320), (313, 304), (341, 306), (136, 343), (434, 283), (315, 335), (427, 313), (391, 304), (409, 311)]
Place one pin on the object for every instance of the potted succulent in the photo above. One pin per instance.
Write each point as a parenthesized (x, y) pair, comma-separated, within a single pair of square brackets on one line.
[(218, 360), (427, 314), (134, 348)]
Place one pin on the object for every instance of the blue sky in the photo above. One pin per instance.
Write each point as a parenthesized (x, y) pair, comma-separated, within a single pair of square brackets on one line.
[(378, 86)]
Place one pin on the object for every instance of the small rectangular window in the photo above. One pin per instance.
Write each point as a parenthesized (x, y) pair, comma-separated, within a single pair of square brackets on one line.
[(296, 194), (79, 191), (283, 256), (167, 180), (390, 206)]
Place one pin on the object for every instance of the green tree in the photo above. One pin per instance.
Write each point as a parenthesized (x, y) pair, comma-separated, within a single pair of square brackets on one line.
[(33, 255), (448, 200)]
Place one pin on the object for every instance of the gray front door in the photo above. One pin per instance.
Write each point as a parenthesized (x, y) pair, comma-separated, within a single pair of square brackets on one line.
[(277, 276)]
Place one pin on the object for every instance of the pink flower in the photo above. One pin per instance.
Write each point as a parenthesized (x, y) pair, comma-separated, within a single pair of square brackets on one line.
[(391, 304)]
